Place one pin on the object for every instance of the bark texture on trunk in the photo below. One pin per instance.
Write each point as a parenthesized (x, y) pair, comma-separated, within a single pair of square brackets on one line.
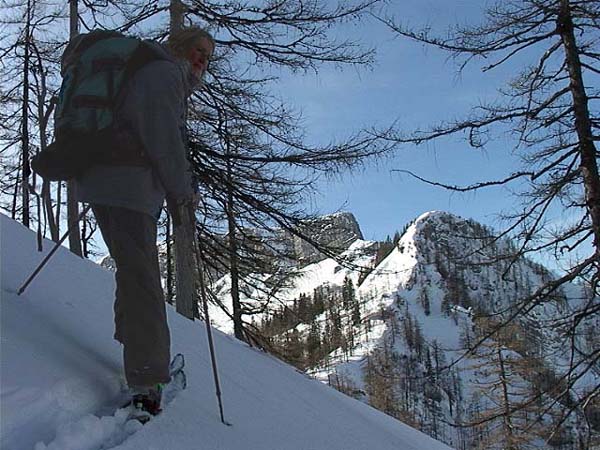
[(25, 170), (186, 269), (72, 205), (233, 264), (583, 124)]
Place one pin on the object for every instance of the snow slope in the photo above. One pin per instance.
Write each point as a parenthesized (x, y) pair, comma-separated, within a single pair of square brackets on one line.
[(61, 374), (359, 254)]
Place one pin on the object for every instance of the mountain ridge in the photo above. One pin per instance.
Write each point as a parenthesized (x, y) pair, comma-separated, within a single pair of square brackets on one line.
[(443, 284), (415, 304)]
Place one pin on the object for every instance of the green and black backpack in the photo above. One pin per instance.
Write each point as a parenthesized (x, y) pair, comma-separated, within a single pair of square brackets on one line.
[(95, 70)]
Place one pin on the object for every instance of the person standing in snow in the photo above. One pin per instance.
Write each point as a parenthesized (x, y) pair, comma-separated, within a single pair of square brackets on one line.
[(127, 199)]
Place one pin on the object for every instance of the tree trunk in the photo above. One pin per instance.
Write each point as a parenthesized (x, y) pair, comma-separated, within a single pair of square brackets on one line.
[(185, 261), (176, 12), (72, 205), (84, 238), (43, 118), (184, 226), (15, 196), (25, 170), (233, 260), (583, 124), (507, 420), (59, 190), (170, 293)]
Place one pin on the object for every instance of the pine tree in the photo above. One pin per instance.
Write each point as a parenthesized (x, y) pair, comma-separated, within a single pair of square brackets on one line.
[(304, 307), (293, 347), (348, 293), (313, 344), (425, 301), (505, 419), (379, 379), (356, 318), (319, 300)]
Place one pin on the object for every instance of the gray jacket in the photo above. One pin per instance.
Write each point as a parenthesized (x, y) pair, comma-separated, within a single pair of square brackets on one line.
[(155, 107)]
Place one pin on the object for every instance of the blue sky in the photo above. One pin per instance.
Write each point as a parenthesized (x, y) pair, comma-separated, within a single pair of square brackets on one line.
[(413, 86), (416, 86)]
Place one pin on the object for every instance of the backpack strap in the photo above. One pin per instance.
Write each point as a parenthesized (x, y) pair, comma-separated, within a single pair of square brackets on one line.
[(140, 57)]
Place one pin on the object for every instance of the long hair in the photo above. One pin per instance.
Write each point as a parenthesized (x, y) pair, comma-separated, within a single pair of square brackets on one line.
[(181, 41)]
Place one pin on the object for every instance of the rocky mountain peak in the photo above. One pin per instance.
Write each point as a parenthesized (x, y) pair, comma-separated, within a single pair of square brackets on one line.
[(336, 232)]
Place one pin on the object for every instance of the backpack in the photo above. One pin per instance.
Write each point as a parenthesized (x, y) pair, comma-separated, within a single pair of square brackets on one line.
[(95, 69)]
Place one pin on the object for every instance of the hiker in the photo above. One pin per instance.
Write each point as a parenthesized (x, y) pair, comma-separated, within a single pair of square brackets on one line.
[(127, 200)]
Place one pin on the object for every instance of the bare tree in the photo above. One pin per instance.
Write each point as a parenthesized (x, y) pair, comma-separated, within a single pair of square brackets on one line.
[(25, 170), (550, 108), (256, 173), (72, 204), (29, 58), (267, 180)]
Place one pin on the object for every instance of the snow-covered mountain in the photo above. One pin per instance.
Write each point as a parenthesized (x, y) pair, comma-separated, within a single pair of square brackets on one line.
[(60, 373), (393, 332)]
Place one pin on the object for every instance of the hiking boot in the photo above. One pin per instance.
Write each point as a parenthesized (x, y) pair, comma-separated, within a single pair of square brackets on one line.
[(147, 398)]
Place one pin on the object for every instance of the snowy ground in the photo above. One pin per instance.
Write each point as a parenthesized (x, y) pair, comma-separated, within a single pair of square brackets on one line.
[(61, 375)]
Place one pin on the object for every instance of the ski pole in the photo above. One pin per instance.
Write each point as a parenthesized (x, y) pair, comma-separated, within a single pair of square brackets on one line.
[(49, 255), (200, 265)]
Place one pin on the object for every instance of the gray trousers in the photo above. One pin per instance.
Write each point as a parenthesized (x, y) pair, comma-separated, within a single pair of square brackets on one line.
[(140, 313)]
